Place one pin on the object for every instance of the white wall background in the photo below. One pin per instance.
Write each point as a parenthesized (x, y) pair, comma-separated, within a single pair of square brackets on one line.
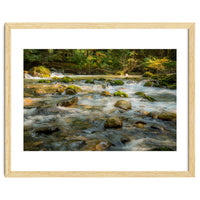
[(100, 11)]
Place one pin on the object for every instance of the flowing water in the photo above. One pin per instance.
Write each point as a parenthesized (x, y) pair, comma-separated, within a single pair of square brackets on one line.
[(50, 127)]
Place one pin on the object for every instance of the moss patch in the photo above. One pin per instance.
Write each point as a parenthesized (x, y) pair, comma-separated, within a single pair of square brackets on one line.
[(89, 81), (143, 95), (148, 84), (116, 82), (75, 88), (147, 74), (66, 79), (121, 94), (40, 71)]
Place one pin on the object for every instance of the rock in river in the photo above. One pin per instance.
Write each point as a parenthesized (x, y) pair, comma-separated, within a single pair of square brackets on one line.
[(126, 105), (70, 91), (113, 122), (139, 124), (46, 130), (96, 145), (105, 93), (167, 116), (69, 102)]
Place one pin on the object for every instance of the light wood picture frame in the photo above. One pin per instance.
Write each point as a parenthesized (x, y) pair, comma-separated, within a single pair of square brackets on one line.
[(191, 99)]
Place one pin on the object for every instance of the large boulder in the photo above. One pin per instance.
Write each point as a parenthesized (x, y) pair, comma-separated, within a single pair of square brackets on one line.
[(113, 122), (126, 105), (68, 102), (40, 71), (167, 116)]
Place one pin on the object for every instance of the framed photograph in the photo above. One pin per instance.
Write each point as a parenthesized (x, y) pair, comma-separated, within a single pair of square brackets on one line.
[(99, 99)]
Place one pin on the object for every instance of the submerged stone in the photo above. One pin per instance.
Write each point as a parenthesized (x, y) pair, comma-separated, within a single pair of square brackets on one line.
[(96, 145), (105, 93), (113, 122), (143, 95), (70, 91), (47, 130), (126, 105), (167, 116), (69, 102)]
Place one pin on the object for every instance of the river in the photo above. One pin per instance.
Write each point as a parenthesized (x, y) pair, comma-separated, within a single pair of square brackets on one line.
[(50, 127)]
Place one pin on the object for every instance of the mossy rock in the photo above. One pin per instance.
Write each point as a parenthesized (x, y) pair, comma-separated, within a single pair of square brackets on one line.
[(44, 81), (116, 82), (147, 74), (121, 94), (89, 81), (40, 71), (143, 95), (148, 84), (70, 91), (101, 79), (167, 116), (140, 93), (66, 79), (113, 122), (149, 98), (126, 105), (68, 102), (75, 88)]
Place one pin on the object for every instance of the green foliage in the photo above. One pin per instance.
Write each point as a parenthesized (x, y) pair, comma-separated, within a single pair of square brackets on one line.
[(121, 94), (155, 77), (147, 74), (66, 79), (103, 61), (159, 65), (172, 87), (167, 80), (148, 84), (89, 81)]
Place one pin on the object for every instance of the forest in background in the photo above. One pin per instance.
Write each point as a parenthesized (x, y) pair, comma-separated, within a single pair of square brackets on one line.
[(102, 61)]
